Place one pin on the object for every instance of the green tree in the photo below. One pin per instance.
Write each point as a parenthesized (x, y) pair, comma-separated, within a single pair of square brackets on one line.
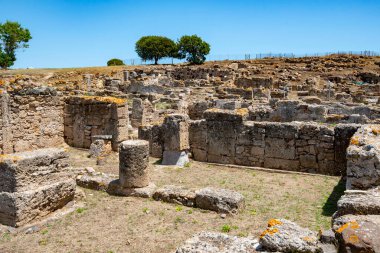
[(155, 48), (12, 37), (193, 48), (115, 62)]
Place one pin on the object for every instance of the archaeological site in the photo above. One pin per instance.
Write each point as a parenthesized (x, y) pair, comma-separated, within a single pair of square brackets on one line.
[(265, 155)]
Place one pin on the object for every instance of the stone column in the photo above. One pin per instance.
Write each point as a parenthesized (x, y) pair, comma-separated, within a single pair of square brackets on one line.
[(126, 75), (137, 116), (134, 164), (6, 132), (176, 139), (87, 81)]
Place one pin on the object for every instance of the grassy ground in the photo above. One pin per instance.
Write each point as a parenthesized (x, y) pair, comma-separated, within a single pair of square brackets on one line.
[(120, 224)]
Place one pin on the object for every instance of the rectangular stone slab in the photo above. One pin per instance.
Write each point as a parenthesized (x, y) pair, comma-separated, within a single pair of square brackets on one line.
[(28, 170), (20, 208)]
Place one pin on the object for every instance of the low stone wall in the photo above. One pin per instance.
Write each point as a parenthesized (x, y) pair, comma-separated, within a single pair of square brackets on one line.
[(30, 119), (294, 110), (224, 136), (87, 116)]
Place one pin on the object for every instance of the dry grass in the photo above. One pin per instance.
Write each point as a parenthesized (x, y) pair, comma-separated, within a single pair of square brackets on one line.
[(120, 224)]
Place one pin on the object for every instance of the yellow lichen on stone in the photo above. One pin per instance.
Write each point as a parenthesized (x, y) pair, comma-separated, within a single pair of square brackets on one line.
[(375, 130), (274, 222), (9, 157), (242, 111), (308, 239), (353, 239), (351, 224), (214, 110), (112, 100), (354, 141), (269, 231)]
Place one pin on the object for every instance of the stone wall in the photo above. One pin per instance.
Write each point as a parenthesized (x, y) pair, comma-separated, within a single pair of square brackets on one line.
[(295, 110), (30, 119), (224, 136), (87, 116)]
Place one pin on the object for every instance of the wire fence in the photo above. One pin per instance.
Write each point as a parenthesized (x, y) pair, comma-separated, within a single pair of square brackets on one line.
[(249, 56)]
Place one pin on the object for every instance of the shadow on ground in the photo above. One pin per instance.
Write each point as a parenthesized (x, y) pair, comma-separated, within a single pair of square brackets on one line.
[(331, 204)]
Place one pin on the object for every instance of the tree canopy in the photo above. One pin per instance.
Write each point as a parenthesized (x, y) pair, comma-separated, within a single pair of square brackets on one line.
[(155, 48), (193, 48), (12, 37), (115, 62)]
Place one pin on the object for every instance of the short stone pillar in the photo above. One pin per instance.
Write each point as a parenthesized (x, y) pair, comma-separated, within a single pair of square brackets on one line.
[(176, 139), (137, 116), (87, 79), (134, 164), (126, 75)]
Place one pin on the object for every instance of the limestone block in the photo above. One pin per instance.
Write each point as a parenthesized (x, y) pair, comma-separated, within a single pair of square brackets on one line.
[(359, 202), (176, 132), (286, 236), (280, 148), (134, 163), (175, 194), (363, 158), (153, 134), (276, 163), (115, 188), (19, 208), (219, 200), (358, 233), (137, 116), (308, 161), (199, 154), (95, 182), (31, 169), (178, 158), (211, 242), (215, 114)]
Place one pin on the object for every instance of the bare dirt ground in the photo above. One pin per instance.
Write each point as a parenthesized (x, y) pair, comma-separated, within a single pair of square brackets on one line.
[(128, 224)]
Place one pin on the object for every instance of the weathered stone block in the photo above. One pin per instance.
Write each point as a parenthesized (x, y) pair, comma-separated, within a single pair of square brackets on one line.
[(363, 158), (210, 242), (20, 208), (286, 236), (280, 148), (219, 200), (178, 158), (359, 202), (358, 233), (215, 114), (115, 188), (176, 132), (175, 194), (276, 163), (31, 169)]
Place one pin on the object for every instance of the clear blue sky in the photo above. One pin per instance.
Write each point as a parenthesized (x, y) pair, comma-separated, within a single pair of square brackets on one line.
[(73, 33)]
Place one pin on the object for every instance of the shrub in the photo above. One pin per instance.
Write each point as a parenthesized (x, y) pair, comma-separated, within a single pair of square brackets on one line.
[(115, 62)]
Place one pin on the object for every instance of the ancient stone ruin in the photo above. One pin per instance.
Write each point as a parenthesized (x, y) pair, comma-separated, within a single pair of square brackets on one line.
[(294, 116)]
